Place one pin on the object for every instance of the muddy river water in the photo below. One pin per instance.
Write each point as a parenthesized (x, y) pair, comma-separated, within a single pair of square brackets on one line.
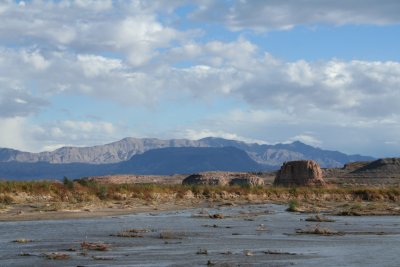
[(252, 235)]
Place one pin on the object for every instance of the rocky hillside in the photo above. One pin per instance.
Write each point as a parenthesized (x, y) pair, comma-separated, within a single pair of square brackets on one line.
[(276, 155), (267, 155), (387, 167)]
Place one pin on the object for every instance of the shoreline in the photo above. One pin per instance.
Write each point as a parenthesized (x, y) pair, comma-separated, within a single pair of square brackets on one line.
[(24, 212)]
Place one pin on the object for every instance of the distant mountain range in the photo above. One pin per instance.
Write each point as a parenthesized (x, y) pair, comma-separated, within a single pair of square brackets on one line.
[(162, 161), (270, 155), (189, 160), (154, 156)]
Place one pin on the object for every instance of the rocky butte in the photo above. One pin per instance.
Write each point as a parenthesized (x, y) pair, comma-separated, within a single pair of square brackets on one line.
[(300, 173)]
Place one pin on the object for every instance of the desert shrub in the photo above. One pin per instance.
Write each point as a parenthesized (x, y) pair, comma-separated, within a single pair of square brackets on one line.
[(369, 194), (6, 200), (196, 189)]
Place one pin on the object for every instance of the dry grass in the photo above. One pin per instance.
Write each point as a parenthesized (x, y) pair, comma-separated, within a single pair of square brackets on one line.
[(83, 191), (318, 230), (56, 256), (94, 246), (6, 200), (362, 208), (131, 233)]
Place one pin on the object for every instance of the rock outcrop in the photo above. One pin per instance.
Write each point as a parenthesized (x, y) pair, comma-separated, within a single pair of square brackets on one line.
[(205, 179), (300, 173), (224, 178), (248, 180)]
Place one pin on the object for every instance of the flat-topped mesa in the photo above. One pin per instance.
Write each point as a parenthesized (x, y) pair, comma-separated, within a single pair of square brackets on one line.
[(300, 173)]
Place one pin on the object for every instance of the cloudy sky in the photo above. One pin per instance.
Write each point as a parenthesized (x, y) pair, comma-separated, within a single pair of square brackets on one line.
[(89, 72)]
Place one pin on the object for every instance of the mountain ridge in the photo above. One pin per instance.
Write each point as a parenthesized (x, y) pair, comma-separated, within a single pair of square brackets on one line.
[(161, 161), (124, 149)]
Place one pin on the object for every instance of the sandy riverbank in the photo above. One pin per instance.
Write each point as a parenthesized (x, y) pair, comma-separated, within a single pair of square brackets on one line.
[(41, 211), (47, 211)]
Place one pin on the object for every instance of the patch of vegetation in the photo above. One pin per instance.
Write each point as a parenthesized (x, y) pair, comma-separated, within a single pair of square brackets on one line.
[(94, 246), (293, 206), (318, 230), (83, 190), (319, 218), (56, 256), (131, 233), (217, 216)]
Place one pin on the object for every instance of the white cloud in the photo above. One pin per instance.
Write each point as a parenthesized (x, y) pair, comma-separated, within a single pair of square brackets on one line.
[(238, 54), (363, 88), (94, 4), (284, 15), (129, 28), (202, 133), (13, 133), (94, 65), (19, 133), (85, 127), (36, 59), (15, 101), (128, 52), (140, 36), (305, 138), (56, 134), (343, 86)]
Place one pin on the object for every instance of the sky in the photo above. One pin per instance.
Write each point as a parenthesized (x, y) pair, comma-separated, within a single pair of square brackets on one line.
[(82, 73)]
